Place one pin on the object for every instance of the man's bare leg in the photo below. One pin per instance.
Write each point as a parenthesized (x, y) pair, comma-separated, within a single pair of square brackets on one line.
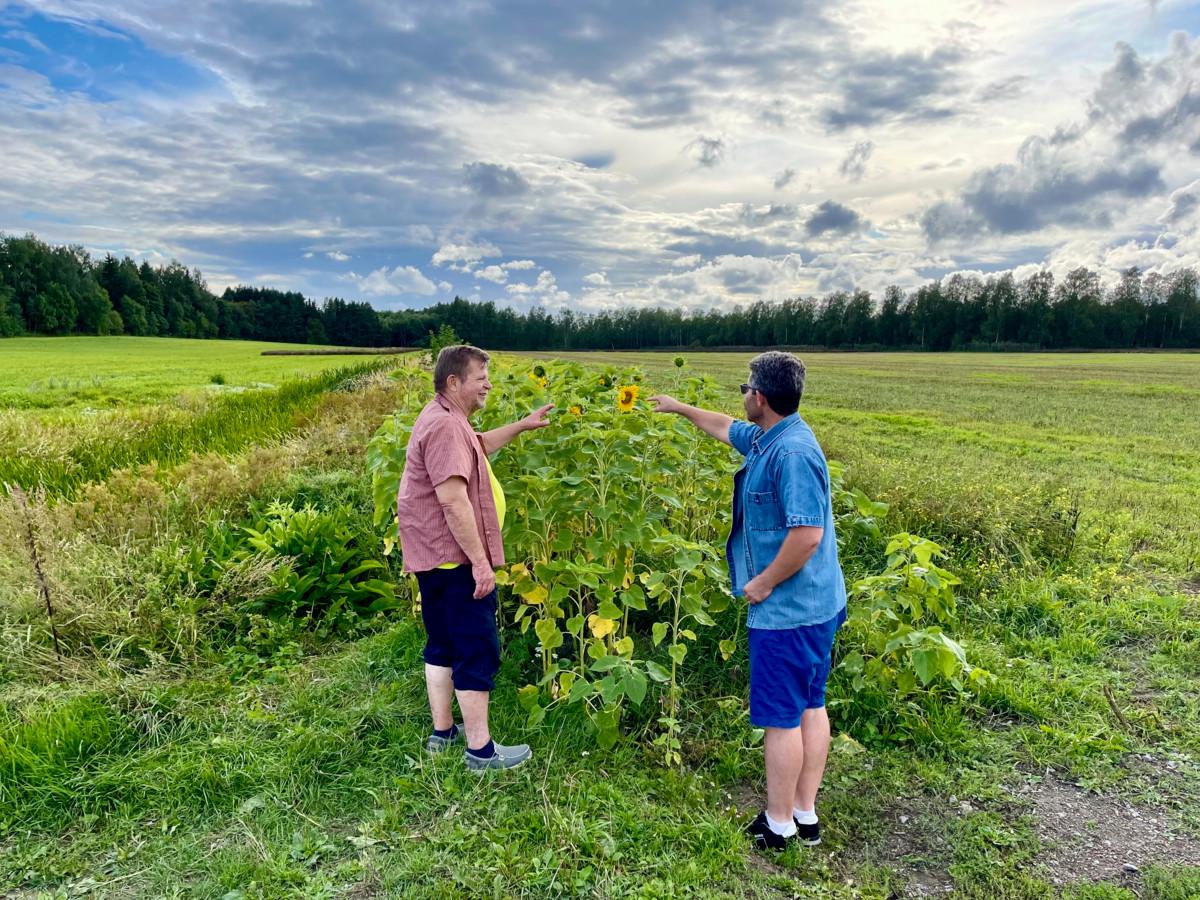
[(785, 758), (439, 682), (814, 725), (474, 706)]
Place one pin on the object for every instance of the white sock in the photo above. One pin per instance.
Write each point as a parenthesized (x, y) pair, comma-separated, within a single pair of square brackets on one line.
[(783, 829), (805, 816)]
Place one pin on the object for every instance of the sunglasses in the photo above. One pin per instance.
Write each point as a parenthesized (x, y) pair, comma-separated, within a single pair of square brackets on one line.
[(746, 388)]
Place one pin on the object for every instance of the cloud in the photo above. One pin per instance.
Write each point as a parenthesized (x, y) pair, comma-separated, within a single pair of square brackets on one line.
[(1040, 190), (1009, 88), (337, 255), (1148, 101), (545, 291), (879, 86), (463, 256), (493, 273), (1184, 202), (774, 212), (518, 265), (784, 178), (492, 180), (717, 283), (596, 279), (597, 160), (398, 281), (708, 152), (833, 217), (855, 164)]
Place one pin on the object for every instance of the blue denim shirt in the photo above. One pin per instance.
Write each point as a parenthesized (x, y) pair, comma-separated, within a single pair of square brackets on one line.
[(783, 483)]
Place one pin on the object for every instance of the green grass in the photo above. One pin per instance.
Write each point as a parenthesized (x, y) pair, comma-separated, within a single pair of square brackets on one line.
[(301, 775), (73, 373), (155, 404)]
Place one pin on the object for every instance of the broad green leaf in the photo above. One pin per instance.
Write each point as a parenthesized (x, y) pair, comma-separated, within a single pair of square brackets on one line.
[(548, 633), (925, 662), (659, 631), (677, 652), (635, 686), (605, 663), (634, 597), (528, 696), (657, 672)]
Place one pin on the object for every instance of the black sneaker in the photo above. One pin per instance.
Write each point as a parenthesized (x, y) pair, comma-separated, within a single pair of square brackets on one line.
[(809, 835), (762, 835)]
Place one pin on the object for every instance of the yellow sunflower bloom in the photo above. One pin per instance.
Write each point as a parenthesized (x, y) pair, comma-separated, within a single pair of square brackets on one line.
[(577, 410), (626, 396)]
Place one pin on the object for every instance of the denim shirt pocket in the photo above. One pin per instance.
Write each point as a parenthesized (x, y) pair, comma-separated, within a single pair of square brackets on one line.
[(764, 511)]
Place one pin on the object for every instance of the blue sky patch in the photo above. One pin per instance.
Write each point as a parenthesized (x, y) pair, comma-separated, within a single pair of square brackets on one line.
[(93, 58)]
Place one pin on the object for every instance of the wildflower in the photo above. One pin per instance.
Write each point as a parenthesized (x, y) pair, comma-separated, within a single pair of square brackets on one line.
[(627, 396)]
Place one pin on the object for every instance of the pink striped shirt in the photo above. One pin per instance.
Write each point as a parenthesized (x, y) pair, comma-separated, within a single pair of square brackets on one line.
[(443, 445)]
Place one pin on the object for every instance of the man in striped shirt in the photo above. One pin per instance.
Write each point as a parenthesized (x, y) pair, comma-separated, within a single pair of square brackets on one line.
[(450, 509)]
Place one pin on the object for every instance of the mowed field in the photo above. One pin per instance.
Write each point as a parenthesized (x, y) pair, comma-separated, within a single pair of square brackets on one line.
[(230, 712), (67, 373)]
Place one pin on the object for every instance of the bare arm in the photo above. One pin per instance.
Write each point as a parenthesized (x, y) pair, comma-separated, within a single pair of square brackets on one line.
[(798, 547), (456, 505), (503, 436), (714, 424)]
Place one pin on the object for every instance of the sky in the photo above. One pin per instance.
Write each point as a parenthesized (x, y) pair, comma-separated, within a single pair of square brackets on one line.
[(595, 155)]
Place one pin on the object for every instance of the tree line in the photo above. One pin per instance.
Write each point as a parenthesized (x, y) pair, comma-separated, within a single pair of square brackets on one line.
[(48, 289)]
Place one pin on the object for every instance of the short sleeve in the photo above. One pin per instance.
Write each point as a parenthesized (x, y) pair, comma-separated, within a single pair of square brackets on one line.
[(742, 435), (803, 490), (448, 452)]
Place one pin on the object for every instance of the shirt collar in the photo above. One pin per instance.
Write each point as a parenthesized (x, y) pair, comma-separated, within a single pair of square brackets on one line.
[(766, 438), (451, 408)]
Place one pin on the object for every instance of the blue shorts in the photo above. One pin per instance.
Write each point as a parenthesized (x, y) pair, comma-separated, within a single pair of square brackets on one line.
[(788, 671), (460, 631)]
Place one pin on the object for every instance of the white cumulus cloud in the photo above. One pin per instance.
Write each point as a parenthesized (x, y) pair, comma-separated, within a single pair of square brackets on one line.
[(385, 282)]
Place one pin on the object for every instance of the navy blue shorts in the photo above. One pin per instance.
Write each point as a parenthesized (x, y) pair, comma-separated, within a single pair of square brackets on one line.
[(460, 631), (788, 671)]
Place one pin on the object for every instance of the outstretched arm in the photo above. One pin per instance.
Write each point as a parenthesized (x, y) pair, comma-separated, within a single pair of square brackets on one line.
[(501, 437), (714, 424)]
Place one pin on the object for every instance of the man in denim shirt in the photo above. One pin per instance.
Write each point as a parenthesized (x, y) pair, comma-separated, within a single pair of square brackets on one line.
[(783, 559)]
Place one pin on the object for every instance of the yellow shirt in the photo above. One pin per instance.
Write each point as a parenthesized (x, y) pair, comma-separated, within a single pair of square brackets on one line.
[(497, 496)]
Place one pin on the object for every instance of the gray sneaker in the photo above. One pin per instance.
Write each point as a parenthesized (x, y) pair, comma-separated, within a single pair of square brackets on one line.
[(437, 744), (502, 758)]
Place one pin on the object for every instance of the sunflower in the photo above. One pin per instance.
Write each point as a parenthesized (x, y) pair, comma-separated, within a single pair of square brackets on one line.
[(576, 410), (627, 396)]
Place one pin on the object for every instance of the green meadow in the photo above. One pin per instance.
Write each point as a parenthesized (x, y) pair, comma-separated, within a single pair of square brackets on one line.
[(211, 724), (1116, 436)]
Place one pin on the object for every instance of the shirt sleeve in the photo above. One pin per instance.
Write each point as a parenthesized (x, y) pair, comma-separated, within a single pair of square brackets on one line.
[(803, 489), (448, 453), (742, 435)]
